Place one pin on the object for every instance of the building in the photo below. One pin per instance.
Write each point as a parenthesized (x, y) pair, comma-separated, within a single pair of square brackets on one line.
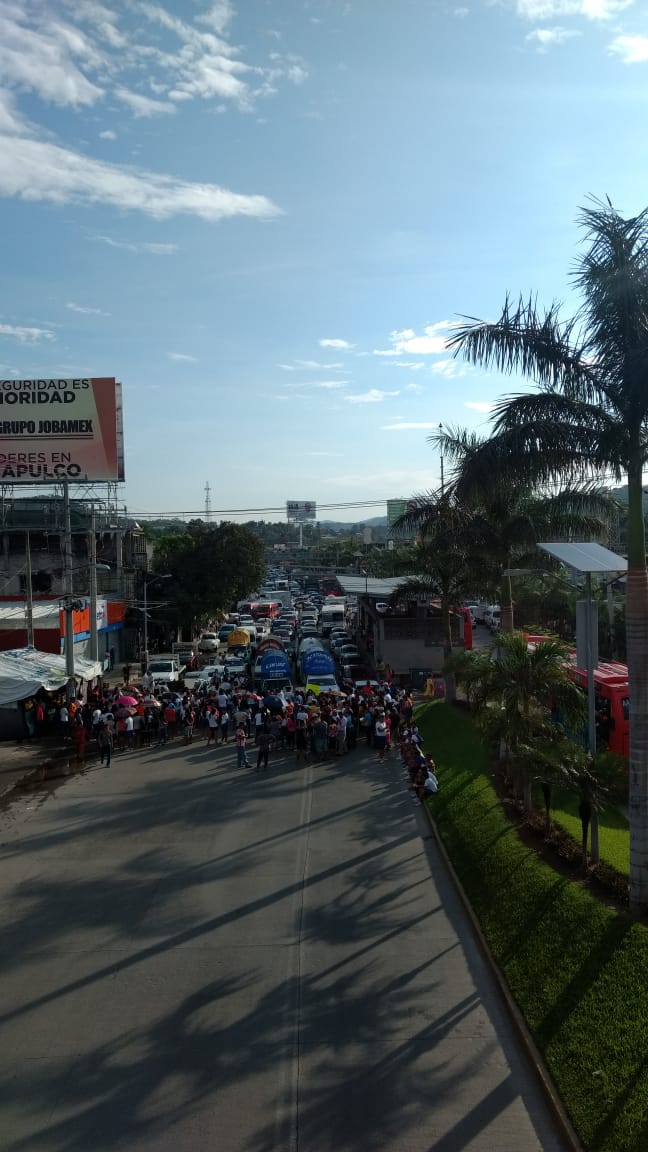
[(32, 535)]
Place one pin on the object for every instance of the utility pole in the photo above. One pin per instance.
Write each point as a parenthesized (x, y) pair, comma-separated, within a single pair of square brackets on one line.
[(94, 633), (30, 599), (67, 591)]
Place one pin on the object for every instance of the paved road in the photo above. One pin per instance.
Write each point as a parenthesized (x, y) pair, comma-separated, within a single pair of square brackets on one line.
[(196, 958)]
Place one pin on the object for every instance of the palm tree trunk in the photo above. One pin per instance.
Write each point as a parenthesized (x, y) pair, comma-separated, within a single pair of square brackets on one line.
[(637, 647), (594, 836), (506, 604), (450, 680)]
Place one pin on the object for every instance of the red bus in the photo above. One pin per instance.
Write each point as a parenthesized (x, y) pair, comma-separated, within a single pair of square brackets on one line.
[(265, 609), (611, 704)]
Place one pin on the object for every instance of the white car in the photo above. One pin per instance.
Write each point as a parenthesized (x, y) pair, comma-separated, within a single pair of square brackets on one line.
[(164, 671), (208, 642), (211, 670)]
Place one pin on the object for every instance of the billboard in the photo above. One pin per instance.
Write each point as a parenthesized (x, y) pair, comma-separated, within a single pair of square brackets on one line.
[(53, 430), (301, 510)]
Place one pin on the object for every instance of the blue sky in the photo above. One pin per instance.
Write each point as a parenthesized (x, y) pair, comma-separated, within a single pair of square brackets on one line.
[(262, 217)]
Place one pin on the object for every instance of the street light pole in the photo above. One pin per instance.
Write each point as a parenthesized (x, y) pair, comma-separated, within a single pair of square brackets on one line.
[(67, 591), (94, 632), (165, 576), (146, 653)]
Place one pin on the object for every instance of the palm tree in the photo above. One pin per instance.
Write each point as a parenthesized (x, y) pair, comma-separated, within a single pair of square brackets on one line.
[(587, 420), (516, 690), (511, 519), (446, 558)]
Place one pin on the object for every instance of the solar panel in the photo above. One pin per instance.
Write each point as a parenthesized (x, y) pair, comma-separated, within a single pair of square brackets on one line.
[(586, 557)]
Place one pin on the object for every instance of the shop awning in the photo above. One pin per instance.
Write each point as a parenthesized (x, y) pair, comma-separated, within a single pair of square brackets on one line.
[(23, 671)]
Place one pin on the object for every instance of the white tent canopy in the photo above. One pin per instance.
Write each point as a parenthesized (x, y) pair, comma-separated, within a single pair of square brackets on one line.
[(23, 671)]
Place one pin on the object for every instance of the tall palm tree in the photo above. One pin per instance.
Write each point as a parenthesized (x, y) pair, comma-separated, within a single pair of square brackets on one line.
[(511, 519), (446, 557), (587, 420)]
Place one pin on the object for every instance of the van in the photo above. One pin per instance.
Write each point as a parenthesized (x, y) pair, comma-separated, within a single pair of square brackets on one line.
[(493, 609), (493, 617)]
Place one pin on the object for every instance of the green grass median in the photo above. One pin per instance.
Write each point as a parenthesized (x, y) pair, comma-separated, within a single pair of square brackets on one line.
[(577, 969)]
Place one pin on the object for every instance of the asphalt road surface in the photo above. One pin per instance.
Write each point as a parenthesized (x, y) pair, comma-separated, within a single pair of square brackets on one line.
[(202, 959)]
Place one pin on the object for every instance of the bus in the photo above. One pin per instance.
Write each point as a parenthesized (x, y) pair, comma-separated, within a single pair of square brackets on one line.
[(611, 704), (265, 609)]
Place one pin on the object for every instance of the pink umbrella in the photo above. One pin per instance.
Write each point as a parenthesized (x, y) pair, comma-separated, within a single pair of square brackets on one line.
[(126, 701)]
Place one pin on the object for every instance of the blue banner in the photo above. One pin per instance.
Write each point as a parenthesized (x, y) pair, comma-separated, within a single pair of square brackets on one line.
[(275, 665), (318, 663)]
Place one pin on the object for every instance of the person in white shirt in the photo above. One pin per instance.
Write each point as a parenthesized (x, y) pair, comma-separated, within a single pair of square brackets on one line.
[(129, 728)]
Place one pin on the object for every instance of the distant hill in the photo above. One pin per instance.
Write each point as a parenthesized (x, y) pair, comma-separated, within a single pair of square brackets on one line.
[(345, 526)]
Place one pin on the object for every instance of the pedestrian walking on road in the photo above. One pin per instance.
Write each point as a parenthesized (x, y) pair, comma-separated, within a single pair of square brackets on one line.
[(241, 744), (224, 725), (264, 742), (104, 741)]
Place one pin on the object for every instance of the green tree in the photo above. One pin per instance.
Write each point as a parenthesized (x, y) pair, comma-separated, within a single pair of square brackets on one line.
[(588, 419), (509, 520), (212, 567), (516, 690), (444, 561)]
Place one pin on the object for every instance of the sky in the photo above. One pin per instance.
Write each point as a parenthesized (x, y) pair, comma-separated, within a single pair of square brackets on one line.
[(264, 216)]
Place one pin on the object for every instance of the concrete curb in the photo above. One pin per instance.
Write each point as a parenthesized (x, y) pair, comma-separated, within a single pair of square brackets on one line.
[(567, 1130)]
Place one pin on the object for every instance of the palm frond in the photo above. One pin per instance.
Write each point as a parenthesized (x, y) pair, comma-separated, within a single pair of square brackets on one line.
[(535, 345), (613, 276)]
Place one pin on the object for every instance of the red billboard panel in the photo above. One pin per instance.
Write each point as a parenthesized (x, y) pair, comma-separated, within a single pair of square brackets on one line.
[(60, 430)]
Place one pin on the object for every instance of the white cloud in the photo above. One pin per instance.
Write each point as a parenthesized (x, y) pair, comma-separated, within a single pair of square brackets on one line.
[(218, 17), (631, 49), (84, 310), (591, 9), (26, 335), (410, 426), (417, 389), (143, 106), (300, 365), (342, 345), (406, 341), (413, 365), (43, 59), (448, 368), (138, 247), (461, 13), (544, 37), (479, 405), (108, 134), (373, 396), (74, 53), (182, 356), (38, 170), (330, 384)]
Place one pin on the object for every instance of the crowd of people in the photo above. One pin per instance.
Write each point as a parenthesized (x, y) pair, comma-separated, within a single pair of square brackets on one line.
[(304, 725)]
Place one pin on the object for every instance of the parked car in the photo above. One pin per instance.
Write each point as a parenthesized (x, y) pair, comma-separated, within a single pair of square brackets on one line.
[(208, 642)]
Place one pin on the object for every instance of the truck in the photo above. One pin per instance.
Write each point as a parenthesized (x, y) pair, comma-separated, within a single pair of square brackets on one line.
[(184, 654), (333, 614)]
